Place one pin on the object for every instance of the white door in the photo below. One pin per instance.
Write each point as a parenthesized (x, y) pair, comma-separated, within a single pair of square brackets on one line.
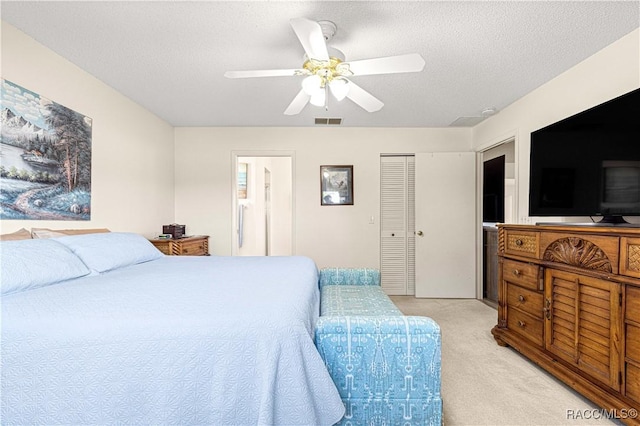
[(445, 209), (397, 221)]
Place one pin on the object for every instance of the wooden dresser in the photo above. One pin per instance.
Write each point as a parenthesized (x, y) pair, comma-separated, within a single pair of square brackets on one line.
[(197, 245), (569, 300)]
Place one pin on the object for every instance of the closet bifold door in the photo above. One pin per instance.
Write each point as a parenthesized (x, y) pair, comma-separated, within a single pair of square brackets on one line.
[(397, 223)]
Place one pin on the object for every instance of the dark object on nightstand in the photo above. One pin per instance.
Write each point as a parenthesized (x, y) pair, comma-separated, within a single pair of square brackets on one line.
[(176, 231)]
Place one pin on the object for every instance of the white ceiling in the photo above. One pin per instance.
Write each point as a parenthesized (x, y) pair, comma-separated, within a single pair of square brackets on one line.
[(170, 56)]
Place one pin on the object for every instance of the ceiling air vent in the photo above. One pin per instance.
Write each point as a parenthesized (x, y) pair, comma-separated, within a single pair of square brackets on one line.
[(329, 121)]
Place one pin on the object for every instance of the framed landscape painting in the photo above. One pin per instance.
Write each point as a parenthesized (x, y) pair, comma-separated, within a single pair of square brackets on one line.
[(45, 158)]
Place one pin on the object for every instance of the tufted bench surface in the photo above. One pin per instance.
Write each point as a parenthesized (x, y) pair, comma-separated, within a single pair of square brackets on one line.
[(355, 300), (386, 365)]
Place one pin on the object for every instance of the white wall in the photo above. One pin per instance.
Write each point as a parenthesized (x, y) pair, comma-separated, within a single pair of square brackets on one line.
[(331, 235), (281, 205), (609, 73), (132, 157)]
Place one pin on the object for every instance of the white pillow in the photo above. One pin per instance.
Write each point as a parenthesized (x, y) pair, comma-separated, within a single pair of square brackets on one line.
[(28, 264), (107, 251)]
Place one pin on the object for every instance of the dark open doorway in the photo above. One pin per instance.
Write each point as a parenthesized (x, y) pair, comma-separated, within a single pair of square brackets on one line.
[(493, 190)]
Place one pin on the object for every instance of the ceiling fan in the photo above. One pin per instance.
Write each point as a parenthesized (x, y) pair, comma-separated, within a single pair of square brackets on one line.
[(325, 70)]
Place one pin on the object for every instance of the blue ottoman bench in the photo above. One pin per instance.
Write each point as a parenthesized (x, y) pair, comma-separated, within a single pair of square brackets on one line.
[(386, 365)]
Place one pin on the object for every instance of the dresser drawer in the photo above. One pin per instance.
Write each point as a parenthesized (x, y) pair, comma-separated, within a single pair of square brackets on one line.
[(521, 243), (525, 325), (630, 257), (633, 381), (525, 300), (193, 248), (633, 343), (523, 274), (633, 362), (632, 310)]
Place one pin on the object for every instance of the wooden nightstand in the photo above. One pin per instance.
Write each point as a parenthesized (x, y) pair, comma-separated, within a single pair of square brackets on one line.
[(197, 245)]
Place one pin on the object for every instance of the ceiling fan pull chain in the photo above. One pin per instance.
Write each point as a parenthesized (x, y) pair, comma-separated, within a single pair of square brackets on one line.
[(326, 97)]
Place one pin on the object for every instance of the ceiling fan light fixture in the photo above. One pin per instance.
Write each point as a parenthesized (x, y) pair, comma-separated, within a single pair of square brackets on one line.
[(312, 85), (325, 70), (319, 98), (339, 88)]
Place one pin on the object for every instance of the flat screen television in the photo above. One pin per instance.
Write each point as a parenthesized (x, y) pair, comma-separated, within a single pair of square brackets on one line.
[(589, 164)]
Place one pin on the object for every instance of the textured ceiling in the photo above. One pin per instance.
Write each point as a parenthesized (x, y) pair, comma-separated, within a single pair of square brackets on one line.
[(170, 56)]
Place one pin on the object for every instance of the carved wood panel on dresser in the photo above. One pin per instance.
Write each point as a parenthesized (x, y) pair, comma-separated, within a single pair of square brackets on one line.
[(569, 300)]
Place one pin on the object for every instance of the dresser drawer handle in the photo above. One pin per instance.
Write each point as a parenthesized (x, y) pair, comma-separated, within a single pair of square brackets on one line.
[(547, 308), (516, 272), (521, 324), (521, 298), (518, 242)]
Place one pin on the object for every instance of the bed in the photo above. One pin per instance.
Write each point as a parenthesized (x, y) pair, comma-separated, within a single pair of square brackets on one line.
[(104, 329)]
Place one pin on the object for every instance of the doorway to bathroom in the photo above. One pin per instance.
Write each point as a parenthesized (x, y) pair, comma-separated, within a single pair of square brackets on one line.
[(263, 205)]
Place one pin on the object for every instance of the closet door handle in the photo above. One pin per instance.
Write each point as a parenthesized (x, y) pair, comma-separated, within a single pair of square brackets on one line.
[(419, 233)]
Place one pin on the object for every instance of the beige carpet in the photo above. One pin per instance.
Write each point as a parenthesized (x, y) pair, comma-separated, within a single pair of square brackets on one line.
[(486, 384)]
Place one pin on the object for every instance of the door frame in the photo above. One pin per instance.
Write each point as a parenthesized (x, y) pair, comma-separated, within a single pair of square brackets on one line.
[(234, 189), (506, 138)]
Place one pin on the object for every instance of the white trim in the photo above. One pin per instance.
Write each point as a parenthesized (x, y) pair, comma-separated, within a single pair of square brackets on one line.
[(479, 242), (506, 138)]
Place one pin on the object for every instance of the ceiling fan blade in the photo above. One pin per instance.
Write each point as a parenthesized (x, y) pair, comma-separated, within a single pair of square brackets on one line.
[(411, 62), (299, 102), (363, 98), (310, 35), (262, 73)]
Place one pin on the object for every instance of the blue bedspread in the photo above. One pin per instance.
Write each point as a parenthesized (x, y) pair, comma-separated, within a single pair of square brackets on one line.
[(177, 340)]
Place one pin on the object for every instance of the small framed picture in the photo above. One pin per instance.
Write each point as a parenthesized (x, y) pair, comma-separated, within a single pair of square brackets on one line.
[(336, 185)]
